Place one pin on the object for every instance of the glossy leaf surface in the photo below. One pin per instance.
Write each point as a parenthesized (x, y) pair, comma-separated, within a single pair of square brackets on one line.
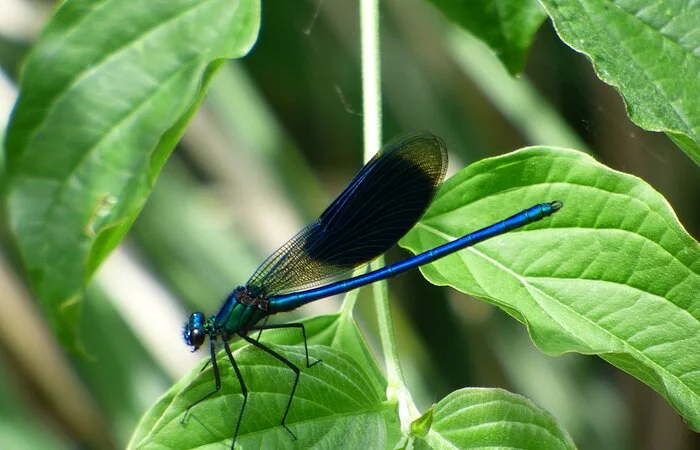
[(105, 96), (649, 51), (493, 418), (613, 273), (339, 402), (506, 26)]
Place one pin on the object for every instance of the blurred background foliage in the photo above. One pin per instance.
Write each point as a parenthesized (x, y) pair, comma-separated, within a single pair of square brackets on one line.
[(279, 135)]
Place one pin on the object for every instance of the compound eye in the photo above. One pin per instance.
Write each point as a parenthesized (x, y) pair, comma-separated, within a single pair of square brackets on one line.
[(196, 338)]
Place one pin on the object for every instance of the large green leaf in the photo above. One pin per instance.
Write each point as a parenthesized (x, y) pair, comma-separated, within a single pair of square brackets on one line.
[(649, 51), (506, 26), (339, 403), (105, 95), (493, 418), (613, 273)]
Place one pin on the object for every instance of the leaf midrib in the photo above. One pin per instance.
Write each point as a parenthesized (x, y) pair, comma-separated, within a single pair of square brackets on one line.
[(162, 423), (632, 350), (100, 62), (690, 271), (62, 185)]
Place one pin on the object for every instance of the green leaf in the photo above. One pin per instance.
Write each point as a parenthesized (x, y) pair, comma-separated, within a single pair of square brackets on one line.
[(421, 426), (105, 96), (649, 51), (507, 26), (339, 402), (613, 273), (494, 418)]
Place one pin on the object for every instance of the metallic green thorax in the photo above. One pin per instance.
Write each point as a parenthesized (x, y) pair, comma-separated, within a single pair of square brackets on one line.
[(240, 313)]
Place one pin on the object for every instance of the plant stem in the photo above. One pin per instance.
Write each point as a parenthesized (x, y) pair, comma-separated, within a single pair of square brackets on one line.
[(372, 117), (371, 77)]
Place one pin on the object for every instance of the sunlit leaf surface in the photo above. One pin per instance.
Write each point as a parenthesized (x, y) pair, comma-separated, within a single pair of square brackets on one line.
[(494, 418), (105, 95), (649, 51), (506, 26), (339, 403), (613, 273)]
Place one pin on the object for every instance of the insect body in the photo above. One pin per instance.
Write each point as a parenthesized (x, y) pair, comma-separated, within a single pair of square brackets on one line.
[(382, 202)]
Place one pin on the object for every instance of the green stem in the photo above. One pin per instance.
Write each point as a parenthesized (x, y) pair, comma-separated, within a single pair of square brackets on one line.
[(371, 77), (372, 117)]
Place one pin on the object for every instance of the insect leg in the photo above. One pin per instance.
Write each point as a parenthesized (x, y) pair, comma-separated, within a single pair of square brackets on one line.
[(289, 364), (289, 325), (261, 328), (244, 391), (217, 381)]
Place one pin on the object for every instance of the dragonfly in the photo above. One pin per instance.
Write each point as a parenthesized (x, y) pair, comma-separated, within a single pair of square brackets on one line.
[(379, 206)]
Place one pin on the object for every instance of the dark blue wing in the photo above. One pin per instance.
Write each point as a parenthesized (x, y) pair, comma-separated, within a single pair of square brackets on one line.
[(384, 200)]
